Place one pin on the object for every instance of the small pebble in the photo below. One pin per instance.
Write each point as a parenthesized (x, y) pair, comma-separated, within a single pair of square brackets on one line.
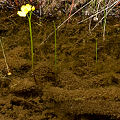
[(9, 73), (95, 19)]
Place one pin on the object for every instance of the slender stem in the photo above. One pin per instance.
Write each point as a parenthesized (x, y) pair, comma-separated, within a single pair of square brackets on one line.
[(30, 28), (8, 70), (96, 51), (71, 8), (104, 24), (55, 45)]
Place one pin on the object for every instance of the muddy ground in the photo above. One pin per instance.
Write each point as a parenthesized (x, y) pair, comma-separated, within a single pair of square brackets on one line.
[(77, 88)]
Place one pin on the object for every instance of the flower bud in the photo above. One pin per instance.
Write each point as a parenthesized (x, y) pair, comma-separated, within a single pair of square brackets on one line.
[(33, 8)]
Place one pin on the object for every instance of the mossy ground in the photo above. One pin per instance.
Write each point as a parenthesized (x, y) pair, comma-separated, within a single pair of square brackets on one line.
[(77, 88)]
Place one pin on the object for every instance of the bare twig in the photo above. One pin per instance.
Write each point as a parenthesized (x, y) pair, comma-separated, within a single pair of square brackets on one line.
[(65, 21), (8, 70)]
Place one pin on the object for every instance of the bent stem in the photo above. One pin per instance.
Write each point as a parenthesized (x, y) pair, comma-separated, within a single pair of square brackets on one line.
[(30, 28)]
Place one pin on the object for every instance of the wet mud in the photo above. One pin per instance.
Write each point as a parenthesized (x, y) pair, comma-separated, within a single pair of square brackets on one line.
[(76, 88)]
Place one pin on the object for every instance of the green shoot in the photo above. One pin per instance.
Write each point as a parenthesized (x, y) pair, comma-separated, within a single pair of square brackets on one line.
[(96, 51), (30, 28), (55, 45)]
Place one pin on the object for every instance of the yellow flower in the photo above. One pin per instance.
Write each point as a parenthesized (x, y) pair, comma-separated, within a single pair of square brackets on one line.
[(25, 9)]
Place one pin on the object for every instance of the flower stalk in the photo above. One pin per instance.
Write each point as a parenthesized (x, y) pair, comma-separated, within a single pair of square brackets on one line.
[(31, 40), (25, 9)]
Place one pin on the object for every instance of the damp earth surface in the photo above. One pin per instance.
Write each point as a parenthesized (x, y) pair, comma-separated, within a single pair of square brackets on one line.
[(77, 88)]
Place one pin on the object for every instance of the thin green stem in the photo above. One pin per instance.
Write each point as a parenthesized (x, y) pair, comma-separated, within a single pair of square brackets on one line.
[(55, 45), (30, 28), (96, 51)]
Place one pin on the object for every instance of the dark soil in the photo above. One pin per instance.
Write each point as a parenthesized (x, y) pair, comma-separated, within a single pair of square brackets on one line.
[(77, 88)]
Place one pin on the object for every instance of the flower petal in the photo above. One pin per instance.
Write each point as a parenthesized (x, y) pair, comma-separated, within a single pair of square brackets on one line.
[(24, 9), (21, 14), (33, 8), (28, 7)]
